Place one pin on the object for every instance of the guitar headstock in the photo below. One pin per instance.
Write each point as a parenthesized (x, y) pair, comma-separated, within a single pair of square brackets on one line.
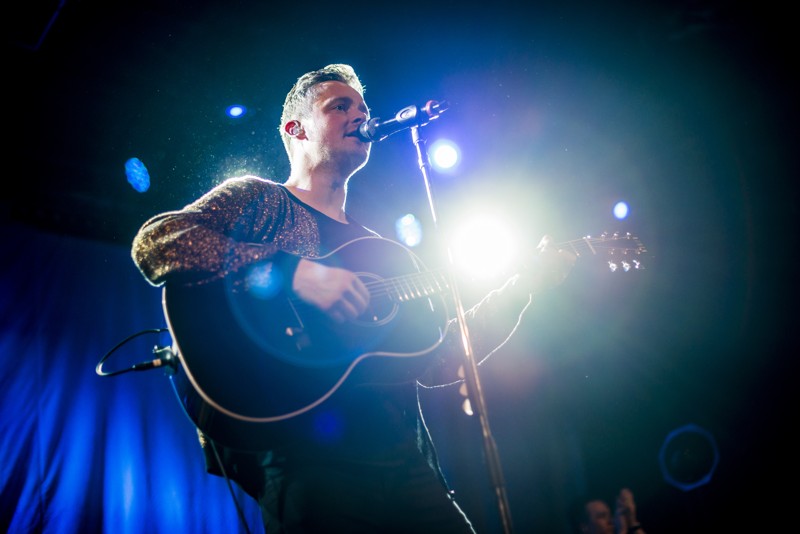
[(622, 251)]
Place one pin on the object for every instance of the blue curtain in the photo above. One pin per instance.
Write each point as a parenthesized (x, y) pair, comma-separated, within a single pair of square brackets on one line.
[(88, 453)]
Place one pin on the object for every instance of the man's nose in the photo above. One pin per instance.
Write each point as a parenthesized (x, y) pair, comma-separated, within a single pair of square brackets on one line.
[(361, 116)]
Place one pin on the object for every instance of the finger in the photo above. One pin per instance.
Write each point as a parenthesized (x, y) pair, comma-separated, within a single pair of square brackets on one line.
[(353, 303)]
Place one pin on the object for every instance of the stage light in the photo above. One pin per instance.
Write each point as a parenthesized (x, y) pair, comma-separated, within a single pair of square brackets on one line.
[(137, 174), (621, 210), (444, 155), (483, 248), (236, 111)]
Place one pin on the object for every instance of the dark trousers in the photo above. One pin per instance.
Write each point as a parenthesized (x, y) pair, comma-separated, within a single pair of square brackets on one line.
[(307, 498)]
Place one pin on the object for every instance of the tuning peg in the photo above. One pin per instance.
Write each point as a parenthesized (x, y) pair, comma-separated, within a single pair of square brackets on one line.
[(625, 265)]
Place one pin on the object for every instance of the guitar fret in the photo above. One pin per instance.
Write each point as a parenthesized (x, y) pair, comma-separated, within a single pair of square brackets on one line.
[(416, 285), (401, 291), (419, 289), (429, 289), (413, 292), (589, 245), (441, 282), (422, 290)]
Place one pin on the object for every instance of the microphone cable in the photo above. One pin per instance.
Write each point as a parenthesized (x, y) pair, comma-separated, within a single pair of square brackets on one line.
[(236, 503), (166, 356)]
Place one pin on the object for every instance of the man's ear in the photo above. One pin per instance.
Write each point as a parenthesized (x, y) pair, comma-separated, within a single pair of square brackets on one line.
[(293, 128)]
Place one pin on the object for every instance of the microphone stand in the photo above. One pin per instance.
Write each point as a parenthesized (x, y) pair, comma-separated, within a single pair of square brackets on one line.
[(474, 390)]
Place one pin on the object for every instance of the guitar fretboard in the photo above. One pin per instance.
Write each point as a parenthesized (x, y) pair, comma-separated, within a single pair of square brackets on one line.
[(409, 287)]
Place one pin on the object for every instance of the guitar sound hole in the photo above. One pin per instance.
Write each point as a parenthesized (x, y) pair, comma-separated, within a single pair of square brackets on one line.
[(382, 308)]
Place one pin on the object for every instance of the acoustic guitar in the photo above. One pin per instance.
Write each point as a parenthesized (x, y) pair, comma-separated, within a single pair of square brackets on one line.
[(252, 354)]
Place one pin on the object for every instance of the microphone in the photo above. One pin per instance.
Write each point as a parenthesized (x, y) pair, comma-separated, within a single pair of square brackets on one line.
[(377, 129)]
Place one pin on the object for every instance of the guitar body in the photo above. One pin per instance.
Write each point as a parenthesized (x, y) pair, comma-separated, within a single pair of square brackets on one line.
[(252, 356)]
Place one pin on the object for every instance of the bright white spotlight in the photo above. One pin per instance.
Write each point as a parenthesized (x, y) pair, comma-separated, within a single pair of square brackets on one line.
[(483, 248), (621, 210), (444, 155)]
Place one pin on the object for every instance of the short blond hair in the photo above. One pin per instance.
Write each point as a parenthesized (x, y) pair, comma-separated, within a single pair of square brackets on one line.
[(301, 95)]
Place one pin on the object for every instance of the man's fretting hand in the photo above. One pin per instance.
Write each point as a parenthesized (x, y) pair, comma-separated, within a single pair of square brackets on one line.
[(550, 267)]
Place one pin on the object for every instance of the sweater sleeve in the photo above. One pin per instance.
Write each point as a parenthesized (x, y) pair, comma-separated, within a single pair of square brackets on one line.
[(241, 221)]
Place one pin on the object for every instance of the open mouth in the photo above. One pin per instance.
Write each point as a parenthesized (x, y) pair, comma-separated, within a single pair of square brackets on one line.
[(355, 133)]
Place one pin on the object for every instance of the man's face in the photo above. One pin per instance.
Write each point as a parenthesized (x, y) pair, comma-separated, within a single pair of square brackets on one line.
[(600, 520), (336, 113)]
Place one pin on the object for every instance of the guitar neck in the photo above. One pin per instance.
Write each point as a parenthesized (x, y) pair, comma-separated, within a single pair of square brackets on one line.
[(435, 282)]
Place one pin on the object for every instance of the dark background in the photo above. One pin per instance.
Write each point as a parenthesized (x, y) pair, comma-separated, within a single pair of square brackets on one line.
[(685, 109)]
